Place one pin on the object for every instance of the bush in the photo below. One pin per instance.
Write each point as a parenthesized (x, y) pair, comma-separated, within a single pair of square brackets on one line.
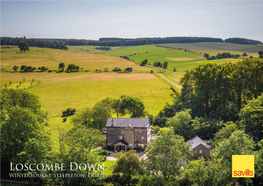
[(64, 119), (104, 152), (157, 64), (103, 48), (68, 112), (155, 129)]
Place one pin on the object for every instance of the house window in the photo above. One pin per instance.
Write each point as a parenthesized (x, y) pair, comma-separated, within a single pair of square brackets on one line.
[(136, 137), (120, 137), (142, 137), (130, 141), (138, 128), (201, 151)]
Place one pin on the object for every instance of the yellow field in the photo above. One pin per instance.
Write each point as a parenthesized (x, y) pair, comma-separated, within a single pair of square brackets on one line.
[(51, 58)]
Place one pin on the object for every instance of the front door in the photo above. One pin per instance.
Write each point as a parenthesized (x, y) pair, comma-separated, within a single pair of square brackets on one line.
[(122, 148)]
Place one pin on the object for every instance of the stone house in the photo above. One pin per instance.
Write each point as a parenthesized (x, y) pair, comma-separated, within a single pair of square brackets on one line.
[(199, 147), (124, 133)]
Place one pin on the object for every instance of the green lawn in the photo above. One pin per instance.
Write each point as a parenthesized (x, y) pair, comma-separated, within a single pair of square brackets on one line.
[(55, 126), (109, 165)]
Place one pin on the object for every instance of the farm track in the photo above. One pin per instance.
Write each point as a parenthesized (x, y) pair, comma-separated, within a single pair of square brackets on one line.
[(171, 81)]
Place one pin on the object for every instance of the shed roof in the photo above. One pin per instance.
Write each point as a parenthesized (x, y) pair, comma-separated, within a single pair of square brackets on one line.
[(125, 122), (195, 141)]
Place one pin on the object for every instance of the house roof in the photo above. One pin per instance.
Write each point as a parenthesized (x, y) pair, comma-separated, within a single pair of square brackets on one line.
[(195, 141), (125, 122), (119, 142)]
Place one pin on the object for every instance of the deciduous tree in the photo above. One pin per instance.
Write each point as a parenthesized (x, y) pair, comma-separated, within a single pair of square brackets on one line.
[(180, 122), (252, 118), (133, 106), (23, 46), (167, 154), (129, 165)]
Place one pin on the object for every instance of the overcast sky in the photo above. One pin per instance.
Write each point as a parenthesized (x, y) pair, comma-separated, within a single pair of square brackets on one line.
[(132, 19)]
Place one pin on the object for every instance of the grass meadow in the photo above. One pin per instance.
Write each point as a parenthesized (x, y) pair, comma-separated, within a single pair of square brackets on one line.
[(214, 48), (177, 59), (51, 58), (58, 91)]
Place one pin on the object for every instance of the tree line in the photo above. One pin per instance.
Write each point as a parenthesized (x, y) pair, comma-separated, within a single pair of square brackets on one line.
[(243, 41), (33, 42), (223, 55), (61, 43), (214, 94)]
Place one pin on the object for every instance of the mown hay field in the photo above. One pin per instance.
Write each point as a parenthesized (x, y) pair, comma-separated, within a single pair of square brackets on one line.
[(51, 58)]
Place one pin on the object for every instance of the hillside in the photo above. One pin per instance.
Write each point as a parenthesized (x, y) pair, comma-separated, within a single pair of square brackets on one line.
[(51, 58), (178, 59), (58, 91), (222, 46)]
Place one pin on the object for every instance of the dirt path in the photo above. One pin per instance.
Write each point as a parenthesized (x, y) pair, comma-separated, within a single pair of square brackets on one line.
[(171, 81)]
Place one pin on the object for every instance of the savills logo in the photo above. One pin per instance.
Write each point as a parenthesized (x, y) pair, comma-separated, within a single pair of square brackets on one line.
[(243, 166)]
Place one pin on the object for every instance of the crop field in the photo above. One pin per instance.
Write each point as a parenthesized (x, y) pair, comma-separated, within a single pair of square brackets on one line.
[(217, 47), (51, 58)]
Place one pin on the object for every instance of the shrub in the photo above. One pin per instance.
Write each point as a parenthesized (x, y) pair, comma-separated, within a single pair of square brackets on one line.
[(157, 64), (68, 112), (104, 152), (155, 129), (103, 48), (64, 119)]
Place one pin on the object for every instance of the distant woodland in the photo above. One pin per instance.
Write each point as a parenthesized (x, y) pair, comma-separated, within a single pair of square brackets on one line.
[(34, 42), (61, 43)]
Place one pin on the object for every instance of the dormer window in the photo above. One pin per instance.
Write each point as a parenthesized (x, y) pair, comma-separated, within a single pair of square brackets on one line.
[(120, 137)]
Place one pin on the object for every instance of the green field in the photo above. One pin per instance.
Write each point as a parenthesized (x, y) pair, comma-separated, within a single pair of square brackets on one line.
[(58, 91), (178, 59), (216, 47)]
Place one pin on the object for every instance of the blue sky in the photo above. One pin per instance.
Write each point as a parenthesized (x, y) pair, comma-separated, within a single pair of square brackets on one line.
[(132, 19)]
